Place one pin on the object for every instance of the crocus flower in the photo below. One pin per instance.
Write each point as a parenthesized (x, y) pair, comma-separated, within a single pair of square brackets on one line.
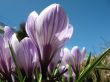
[(74, 58), (49, 31), (25, 55), (6, 62)]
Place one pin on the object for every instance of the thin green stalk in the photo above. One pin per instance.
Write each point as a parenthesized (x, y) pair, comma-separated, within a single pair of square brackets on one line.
[(103, 67)]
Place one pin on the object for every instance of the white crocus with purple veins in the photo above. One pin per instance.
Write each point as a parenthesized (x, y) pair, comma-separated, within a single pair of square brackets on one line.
[(67, 60), (6, 62), (49, 31), (74, 58), (26, 54), (78, 56)]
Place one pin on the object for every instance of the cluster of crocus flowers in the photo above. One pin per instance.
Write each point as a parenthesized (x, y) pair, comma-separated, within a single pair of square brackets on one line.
[(41, 49), (74, 58), (6, 62)]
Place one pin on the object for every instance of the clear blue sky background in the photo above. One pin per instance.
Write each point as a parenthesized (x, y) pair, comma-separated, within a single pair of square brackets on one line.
[(90, 18)]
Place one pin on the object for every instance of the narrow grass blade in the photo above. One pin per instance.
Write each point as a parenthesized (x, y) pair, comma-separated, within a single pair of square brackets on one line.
[(88, 59), (40, 78), (103, 67)]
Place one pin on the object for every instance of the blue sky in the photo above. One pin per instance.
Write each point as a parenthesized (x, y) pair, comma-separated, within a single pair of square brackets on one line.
[(90, 18)]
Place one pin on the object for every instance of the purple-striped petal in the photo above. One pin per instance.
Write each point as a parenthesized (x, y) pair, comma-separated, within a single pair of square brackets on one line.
[(30, 54), (8, 32), (30, 26), (19, 51), (51, 20), (76, 54), (6, 62), (51, 28), (7, 35), (83, 53), (25, 54), (68, 58), (49, 31)]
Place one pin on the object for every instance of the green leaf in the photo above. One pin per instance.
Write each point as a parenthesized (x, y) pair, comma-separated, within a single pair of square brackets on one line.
[(88, 59), (103, 67), (24, 79), (40, 77), (70, 73), (55, 71), (91, 66)]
